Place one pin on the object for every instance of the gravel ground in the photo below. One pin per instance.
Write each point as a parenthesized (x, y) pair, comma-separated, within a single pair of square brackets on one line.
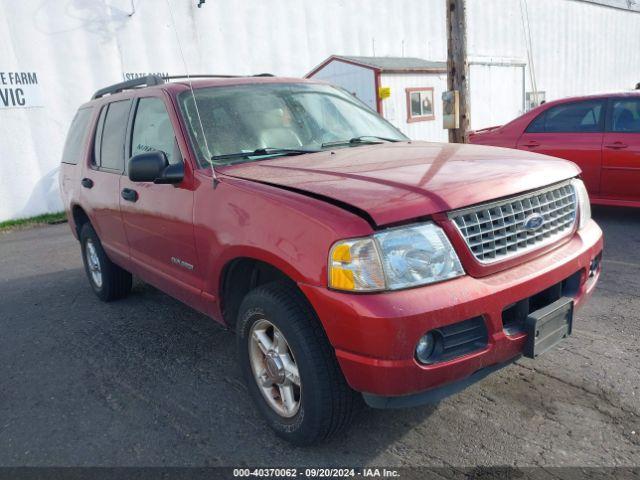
[(147, 381)]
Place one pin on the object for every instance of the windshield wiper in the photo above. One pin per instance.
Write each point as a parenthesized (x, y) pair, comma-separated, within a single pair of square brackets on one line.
[(266, 151), (361, 140)]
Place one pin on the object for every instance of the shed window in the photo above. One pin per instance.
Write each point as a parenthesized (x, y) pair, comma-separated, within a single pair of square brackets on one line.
[(419, 104)]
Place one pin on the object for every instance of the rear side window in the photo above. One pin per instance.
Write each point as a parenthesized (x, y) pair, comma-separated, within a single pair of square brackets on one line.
[(98, 138), (152, 130), (577, 117), (626, 116), (109, 146), (74, 145)]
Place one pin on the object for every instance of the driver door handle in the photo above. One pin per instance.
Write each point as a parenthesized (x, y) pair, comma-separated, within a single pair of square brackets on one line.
[(532, 144), (129, 195)]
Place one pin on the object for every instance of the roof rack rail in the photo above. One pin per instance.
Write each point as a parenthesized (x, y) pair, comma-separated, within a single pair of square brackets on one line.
[(197, 75), (147, 81), (151, 80), (176, 77)]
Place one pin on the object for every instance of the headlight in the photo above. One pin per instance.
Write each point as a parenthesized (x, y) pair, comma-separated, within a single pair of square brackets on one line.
[(393, 259), (355, 265), (584, 206)]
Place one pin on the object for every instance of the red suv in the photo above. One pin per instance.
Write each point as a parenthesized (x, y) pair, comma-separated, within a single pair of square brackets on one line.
[(350, 261), (601, 133)]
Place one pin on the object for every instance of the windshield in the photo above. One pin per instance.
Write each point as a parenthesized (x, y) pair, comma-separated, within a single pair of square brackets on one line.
[(249, 122)]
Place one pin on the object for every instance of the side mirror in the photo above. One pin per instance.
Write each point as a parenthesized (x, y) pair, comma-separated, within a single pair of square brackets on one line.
[(154, 167)]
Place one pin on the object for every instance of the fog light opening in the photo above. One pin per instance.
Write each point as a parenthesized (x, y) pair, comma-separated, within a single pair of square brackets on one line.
[(426, 347)]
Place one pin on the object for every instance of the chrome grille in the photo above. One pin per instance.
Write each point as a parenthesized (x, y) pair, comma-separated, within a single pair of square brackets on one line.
[(495, 231)]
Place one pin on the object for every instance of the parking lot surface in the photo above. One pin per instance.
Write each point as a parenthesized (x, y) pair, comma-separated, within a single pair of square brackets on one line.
[(147, 381)]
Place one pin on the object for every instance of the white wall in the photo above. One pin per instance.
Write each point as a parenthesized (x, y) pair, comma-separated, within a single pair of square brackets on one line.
[(394, 108), (497, 92), (77, 46), (578, 47)]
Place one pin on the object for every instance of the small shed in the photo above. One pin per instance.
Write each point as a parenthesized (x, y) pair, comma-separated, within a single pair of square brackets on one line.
[(407, 91)]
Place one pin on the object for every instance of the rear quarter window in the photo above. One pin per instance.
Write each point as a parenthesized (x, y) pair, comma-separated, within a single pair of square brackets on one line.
[(625, 115), (77, 136)]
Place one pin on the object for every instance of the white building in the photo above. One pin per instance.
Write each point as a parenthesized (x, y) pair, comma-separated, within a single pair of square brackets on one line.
[(405, 90), (55, 54)]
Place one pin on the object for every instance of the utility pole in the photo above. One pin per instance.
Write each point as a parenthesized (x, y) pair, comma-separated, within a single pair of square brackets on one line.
[(457, 65)]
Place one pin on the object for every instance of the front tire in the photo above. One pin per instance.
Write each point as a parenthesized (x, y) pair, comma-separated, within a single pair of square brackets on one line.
[(108, 280), (290, 368)]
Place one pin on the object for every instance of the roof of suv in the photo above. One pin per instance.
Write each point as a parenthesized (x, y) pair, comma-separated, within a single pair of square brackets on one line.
[(179, 84)]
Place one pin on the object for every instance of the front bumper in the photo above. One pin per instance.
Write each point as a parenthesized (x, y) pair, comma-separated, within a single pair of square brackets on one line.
[(374, 335)]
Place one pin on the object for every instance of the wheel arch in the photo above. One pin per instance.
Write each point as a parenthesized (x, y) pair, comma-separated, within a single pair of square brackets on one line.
[(79, 217), (240, 275)]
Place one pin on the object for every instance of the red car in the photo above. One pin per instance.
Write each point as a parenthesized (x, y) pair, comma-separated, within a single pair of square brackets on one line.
[(600, 133), (350, 261)]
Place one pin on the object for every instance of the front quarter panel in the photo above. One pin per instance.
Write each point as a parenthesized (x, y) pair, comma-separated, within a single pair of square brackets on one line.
[(287, 230)]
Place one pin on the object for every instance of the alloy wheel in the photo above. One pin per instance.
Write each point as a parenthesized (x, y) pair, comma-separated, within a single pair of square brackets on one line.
[(274, 368), (93, 262)]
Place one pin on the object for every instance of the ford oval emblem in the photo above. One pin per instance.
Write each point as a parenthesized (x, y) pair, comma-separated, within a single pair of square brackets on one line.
[(533, 222)]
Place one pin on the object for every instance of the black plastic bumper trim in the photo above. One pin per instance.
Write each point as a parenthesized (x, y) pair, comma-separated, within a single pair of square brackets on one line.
[(433, 395)]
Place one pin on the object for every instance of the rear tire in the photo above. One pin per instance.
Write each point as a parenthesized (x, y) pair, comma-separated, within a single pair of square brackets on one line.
[(108, 280), (280, 336)]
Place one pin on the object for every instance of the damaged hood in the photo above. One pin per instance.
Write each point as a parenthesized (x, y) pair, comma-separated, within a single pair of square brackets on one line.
[(394, 182)]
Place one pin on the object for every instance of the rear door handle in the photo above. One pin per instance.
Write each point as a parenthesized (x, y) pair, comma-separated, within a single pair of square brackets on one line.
[(531, 144), (616, 145), (129, 195), (87, 183)]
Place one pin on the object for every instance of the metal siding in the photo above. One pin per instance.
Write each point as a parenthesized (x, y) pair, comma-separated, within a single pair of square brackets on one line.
[(497, 94), (357, 80), (578, 47), (77, 47)]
